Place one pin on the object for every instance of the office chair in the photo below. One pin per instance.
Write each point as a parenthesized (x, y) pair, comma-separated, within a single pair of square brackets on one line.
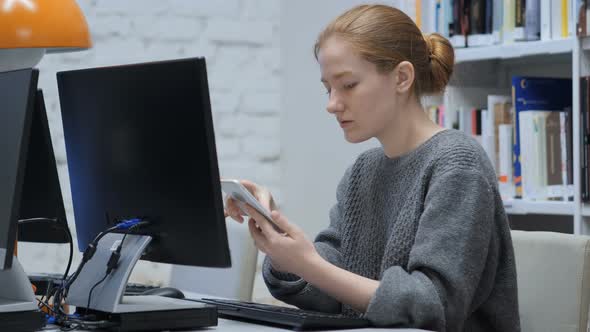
[(553, 272), (236, 282)]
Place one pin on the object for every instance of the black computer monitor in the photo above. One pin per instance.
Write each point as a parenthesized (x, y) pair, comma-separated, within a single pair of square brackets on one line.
[(140, 144), (42, 209), (17, 101), (18, 309)]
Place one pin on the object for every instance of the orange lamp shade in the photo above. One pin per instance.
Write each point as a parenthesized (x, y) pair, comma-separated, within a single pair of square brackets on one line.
[(55, 25)]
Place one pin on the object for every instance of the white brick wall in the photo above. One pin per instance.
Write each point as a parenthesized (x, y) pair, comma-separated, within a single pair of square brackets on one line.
[(240, 40)]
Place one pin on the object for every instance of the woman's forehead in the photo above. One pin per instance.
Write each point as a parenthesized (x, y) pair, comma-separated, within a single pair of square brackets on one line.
[(335, 50), (337, 57)]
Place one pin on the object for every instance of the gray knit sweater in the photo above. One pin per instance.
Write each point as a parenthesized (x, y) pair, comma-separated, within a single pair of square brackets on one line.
[(430, 225)]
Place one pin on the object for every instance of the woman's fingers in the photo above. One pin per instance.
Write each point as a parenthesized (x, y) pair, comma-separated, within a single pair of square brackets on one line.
[(255, 232), (232, 210), (262, 222), (251, 186), (260, 193), (281, 221)]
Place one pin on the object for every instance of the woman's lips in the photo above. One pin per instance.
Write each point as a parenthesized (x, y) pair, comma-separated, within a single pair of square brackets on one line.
[(345, 124)]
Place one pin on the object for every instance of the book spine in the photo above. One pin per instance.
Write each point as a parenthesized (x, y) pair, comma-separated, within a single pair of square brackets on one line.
[(517, 177), (564, 18), (570, 156), (525, 120), (584, 140), (556, 19), (441, 115), (497, 21), (418, 9), (532, 24), (581, 18), (508, 22), (477, 17), (505, 161), (545, 20), (519, 17), (553, 156), (489, 12), (564, 160)]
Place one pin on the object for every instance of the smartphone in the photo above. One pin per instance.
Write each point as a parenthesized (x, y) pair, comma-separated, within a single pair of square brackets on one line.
[(242, 196)]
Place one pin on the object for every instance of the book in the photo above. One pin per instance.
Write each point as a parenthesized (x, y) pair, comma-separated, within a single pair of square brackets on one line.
[(472, 23), (508, 22), (527, 20), (532, 21), (556, 184), (584, 130), (566, 154), (505, 184), (581, 27), (545, 20), (499, 107), (480, 21), (535, 94), (519, 18), (497, 21), (532, 154)]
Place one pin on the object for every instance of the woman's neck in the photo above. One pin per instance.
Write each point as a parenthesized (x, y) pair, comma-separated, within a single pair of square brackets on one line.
[(408, 131)]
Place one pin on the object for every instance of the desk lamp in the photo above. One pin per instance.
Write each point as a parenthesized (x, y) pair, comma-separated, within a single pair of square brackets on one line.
[(31, 28), (28, 30)]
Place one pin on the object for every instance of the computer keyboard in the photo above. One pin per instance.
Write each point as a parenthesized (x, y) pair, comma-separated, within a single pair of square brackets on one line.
[(137, 289), (43, 281), (293, 318)]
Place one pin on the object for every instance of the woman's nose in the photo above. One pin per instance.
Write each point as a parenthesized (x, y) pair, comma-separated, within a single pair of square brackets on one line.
[(334, 104)]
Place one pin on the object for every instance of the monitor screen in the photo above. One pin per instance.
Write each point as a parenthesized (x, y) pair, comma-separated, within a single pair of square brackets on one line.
[(17, 99), (140, 144), (42, 207)]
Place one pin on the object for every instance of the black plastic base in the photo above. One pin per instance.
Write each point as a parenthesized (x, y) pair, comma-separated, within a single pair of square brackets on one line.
[(22, 321), (170, 320)]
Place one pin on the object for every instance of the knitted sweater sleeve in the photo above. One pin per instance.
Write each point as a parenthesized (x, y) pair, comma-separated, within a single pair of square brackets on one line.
[(453, 244), (294, 290)]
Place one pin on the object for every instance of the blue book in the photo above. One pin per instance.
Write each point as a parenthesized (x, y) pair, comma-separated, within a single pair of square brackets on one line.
[(536, 94)]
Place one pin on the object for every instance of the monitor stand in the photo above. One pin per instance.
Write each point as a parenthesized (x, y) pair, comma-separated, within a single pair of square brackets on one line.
[(138, 312), (18, 307)]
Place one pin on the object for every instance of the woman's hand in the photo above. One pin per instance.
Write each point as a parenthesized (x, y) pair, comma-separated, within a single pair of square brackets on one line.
[(260, 193), (290, 251)]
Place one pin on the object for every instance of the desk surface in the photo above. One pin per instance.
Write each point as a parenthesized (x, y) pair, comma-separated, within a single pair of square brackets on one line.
[(232, 325), (238, 326)]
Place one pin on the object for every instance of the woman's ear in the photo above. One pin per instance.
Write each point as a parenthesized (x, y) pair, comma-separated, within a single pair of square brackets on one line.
[(404, 76)]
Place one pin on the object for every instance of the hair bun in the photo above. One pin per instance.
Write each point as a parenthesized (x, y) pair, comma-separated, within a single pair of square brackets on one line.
[(386, 36), (442, 60)]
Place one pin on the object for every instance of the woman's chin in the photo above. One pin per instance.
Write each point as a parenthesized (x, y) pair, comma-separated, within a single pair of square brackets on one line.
[(354, 138)]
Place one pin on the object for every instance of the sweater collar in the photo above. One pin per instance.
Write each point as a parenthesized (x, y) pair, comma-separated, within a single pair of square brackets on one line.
[(422, 149)]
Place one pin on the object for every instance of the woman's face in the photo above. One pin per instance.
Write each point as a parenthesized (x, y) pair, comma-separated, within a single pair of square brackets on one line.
[(362, 99)]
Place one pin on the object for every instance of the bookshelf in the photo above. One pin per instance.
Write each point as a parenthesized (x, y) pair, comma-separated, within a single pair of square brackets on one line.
[(514, 51), (482, 71), (486, 70), (522, 207)]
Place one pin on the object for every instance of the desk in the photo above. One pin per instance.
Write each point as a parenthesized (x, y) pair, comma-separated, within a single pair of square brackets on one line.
[(227, 325)]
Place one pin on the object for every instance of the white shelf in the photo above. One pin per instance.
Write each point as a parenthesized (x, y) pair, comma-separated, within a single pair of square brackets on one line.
[(518, 206), (515, 50), (586, 209)]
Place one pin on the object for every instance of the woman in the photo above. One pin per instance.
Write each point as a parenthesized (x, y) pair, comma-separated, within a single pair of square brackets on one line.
[(419, 236)]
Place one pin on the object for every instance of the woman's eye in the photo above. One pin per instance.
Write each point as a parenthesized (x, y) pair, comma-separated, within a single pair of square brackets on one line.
[(350, 86), (328, 92)]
